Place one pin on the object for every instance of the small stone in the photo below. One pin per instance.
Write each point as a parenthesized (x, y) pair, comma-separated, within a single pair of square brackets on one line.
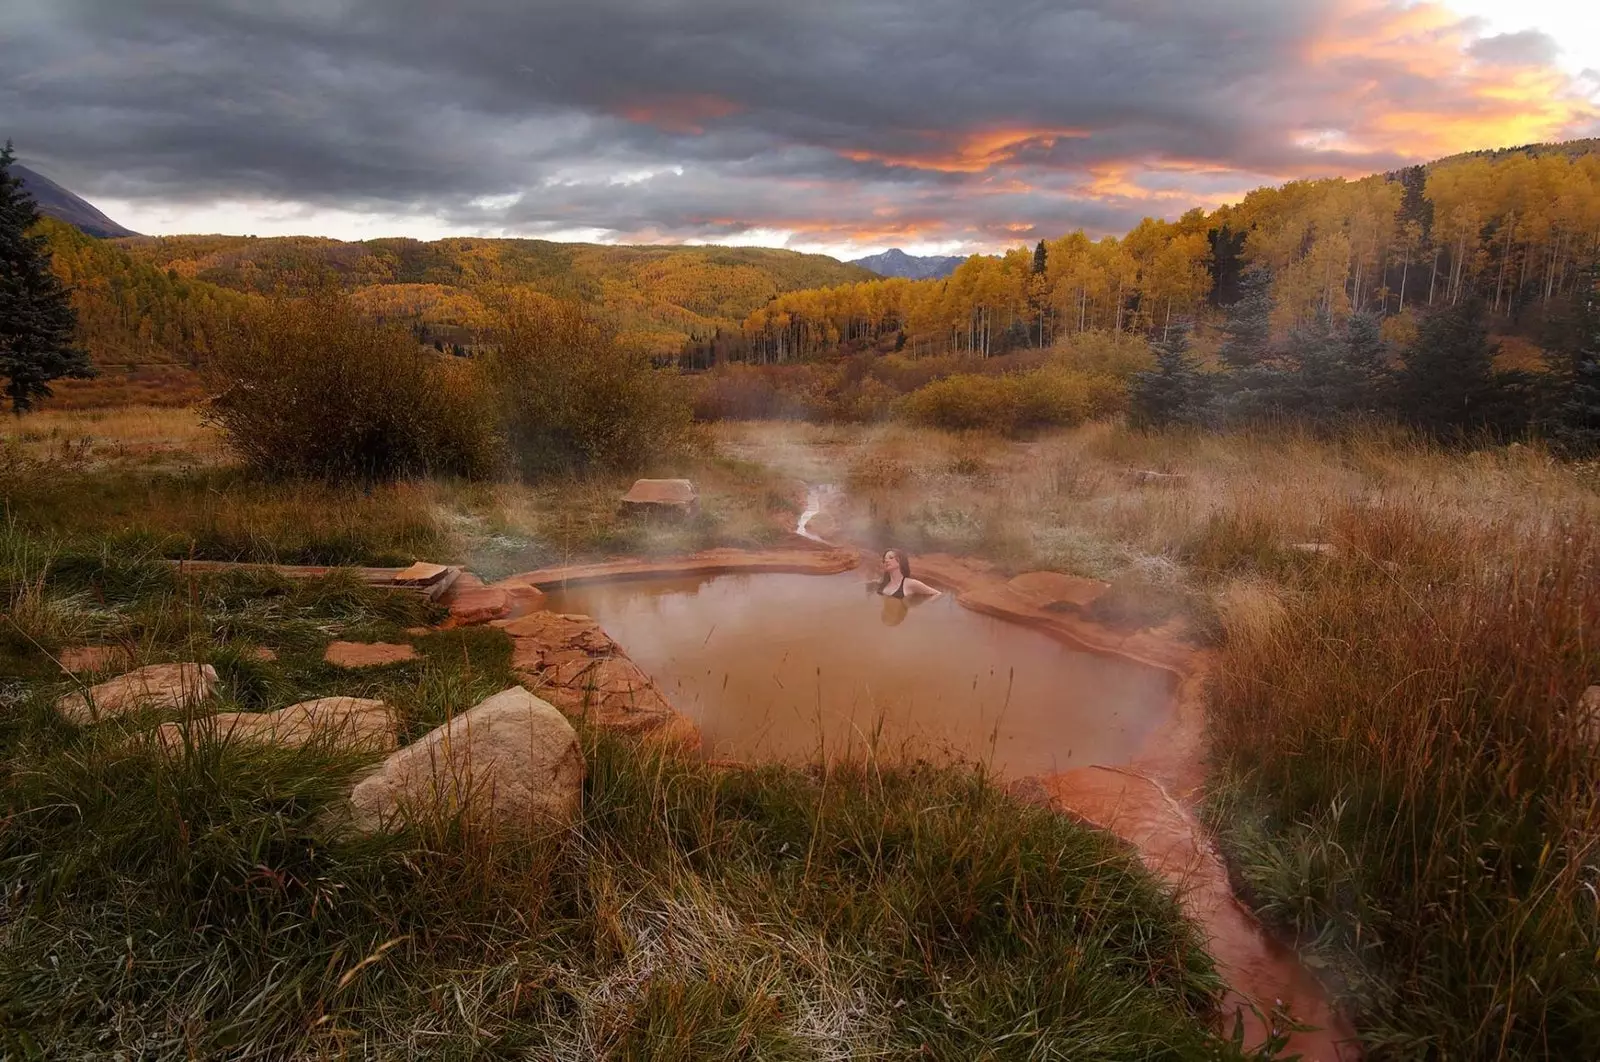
[(667, 495), (167, 687), (94, 658), (368, 654), (357, 723), (260, 654), (511, 762)]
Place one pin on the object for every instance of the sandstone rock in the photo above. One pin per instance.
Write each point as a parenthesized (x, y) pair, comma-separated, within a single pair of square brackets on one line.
[(159, 686), (558, 630), (421, 574), (94, 658), (512, 762), (478, 604), (367, 654), (662, 495), (260, 654), (1057, 592), (357, 723)]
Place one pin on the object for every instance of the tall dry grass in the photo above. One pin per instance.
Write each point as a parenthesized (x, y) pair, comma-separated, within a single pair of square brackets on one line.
[(1408, 782)]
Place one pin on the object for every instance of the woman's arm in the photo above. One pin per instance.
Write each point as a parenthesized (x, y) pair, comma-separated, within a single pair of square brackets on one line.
[(918, 588)]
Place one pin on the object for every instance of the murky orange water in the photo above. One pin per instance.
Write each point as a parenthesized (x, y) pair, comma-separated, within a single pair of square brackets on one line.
[(788, 667)]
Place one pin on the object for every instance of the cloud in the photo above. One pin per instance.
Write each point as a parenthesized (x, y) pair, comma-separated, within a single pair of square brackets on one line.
[(836, 122)]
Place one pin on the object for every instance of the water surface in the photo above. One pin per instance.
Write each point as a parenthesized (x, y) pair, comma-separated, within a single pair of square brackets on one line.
[(788, 667)]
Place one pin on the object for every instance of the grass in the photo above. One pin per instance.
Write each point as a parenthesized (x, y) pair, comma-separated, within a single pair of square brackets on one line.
[(158, 482), (1406, 785), (196, 906), (1401, 778)]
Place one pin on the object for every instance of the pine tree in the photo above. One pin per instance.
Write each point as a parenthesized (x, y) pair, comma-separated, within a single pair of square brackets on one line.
[(1176, 393), (1367, 361), (1577, 417), (1041, 258), (1248, 328), (1447, 384), (37, 320)]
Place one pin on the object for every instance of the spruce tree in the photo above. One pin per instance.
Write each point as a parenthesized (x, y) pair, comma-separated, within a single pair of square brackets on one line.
[(1041, 258), (1176, 393), (37, 320), (1248, 329), (1367, 374), (1577, 416), (1447, 385)]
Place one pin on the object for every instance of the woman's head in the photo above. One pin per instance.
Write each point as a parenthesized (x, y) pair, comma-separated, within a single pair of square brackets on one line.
[(895, 560)]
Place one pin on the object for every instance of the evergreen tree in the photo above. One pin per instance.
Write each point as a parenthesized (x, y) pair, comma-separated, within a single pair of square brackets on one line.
[(1041, 258), (36, 316), (1576, 426), (1415, 206), (1367, 361), (1248, 329), (1176, 393), (1317, 383), (1447, 384)]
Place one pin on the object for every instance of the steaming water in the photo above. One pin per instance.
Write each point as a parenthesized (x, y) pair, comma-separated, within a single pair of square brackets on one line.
[(787, 666), (814, 500)]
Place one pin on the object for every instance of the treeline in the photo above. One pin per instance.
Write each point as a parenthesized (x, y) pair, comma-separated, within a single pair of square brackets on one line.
[(1443, 381), (452, 289), (1513, 230), (131, 313)]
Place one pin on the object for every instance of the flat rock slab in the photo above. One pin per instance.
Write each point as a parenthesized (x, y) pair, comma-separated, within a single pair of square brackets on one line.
[(673, 495), (477, 604), (356, 723), (166, 687), (555, 631), (79, 658), (1053, 590), (368, 654), (421, 574), (511, 763)]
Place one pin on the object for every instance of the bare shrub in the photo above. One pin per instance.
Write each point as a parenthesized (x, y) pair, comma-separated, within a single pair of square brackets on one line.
[(574, 398), (309, 387)]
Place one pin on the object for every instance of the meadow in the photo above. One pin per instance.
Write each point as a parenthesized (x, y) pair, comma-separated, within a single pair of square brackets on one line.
[(1398, 636)]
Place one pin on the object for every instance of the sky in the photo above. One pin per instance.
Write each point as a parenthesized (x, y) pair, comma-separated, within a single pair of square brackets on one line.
[(838, 126)]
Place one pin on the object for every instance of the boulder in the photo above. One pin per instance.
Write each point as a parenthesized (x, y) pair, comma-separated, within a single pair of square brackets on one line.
[(367, 654), (477, 604), (356, 723), (675, 496), (511, 763), (167, 687)]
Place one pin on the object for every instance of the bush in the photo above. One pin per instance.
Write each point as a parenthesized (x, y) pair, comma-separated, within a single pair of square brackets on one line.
[(309, 387), (573, 398), (1014, 404)]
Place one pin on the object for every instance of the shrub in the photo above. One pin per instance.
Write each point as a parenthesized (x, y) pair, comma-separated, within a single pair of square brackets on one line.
[(309, 387), (574, 398), (1014, 404)]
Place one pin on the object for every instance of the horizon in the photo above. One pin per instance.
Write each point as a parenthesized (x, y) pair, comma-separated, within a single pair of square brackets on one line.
[(296, 122)]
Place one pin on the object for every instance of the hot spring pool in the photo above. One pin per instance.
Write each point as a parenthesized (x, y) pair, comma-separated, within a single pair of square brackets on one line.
[(788, 667)]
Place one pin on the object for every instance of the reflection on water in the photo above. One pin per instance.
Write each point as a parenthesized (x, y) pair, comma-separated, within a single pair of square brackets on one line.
[(790, 666)]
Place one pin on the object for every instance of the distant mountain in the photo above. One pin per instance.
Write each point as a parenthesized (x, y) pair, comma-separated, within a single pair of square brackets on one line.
[(896, 263), (56, 202)]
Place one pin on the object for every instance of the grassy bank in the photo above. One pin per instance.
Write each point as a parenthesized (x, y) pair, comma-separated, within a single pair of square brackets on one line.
[(188, 907), (1402, 778), (159, 482)]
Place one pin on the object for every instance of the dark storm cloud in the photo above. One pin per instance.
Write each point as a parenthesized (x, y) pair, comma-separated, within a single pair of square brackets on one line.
[(959, 119)]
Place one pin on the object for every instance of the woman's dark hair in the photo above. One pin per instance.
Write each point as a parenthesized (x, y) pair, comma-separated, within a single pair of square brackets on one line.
[(905, 566)]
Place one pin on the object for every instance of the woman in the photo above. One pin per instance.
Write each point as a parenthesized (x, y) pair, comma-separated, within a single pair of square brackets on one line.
[(897, 581)]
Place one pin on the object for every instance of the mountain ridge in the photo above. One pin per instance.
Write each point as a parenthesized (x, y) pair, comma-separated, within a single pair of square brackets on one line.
[(59, 203), (896, 263)]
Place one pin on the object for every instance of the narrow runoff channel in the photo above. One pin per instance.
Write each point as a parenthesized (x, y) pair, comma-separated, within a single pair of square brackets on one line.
[(1106, 726)]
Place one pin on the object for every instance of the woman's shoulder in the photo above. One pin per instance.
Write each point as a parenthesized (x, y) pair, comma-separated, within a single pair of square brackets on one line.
[(920, 588)]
